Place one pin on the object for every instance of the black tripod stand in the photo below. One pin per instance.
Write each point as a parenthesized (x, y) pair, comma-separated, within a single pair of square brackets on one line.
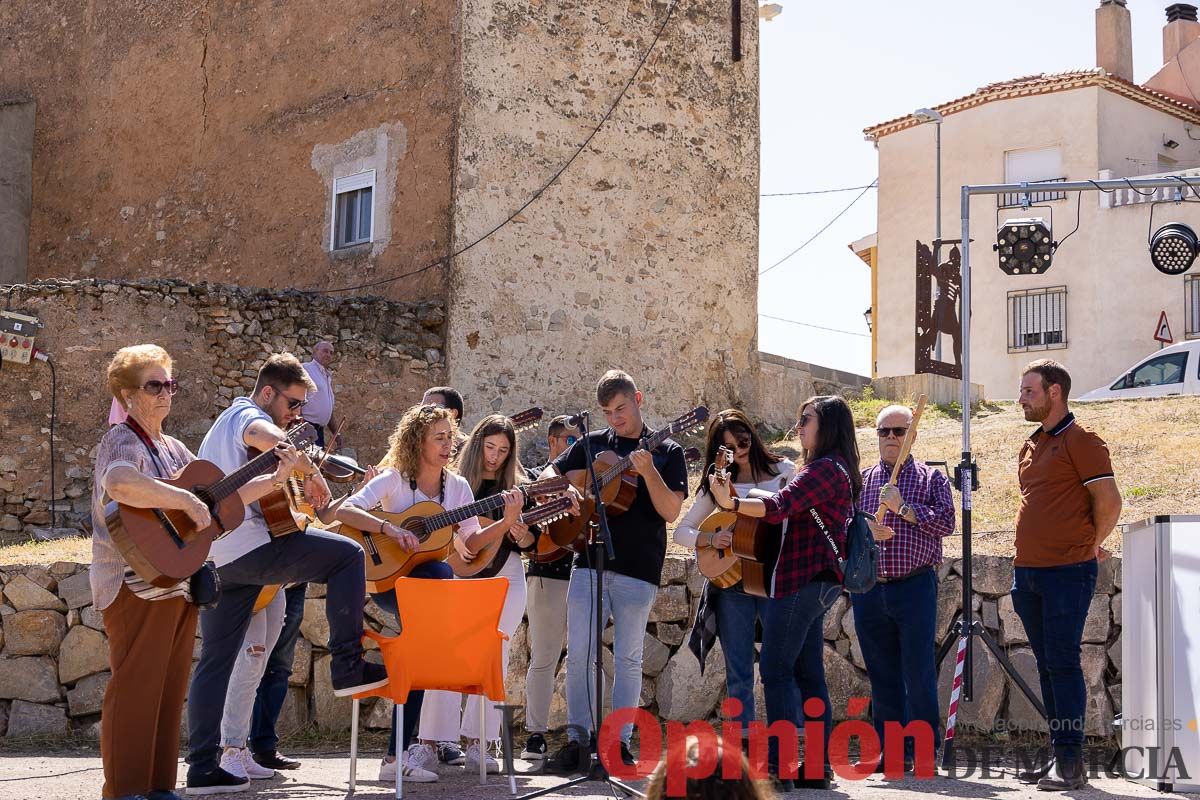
[(966, 476), (601, 549)]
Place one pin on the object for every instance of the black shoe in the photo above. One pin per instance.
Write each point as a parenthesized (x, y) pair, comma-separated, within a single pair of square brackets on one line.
[(450, 753), (216, 782), (535, 748), (571, 758), (273, 759), (162, 794), (1037, 773), (626, 756), (364, 677), (881, 767), (1065, 777), (802, 782)]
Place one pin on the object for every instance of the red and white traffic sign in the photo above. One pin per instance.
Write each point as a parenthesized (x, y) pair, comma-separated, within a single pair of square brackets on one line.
[(1162, 331)]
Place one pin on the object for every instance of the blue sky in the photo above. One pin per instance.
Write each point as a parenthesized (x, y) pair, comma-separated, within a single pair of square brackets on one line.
[(828, 70)]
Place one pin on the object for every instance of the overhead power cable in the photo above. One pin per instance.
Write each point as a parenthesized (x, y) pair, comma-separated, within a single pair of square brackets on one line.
[(818, 327), (817, 191), (445, 260), (824, 228)]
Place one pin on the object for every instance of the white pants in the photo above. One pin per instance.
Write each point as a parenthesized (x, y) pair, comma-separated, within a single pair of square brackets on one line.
[(442, 716), (547, 635), (248, 671)]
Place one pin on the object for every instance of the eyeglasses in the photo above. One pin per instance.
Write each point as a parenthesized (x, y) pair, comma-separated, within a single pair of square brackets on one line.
[(292, 402), (155, 388), (897, 432), (805, 419)]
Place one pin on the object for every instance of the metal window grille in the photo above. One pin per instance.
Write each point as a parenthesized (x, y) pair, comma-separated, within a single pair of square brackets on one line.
[(1037, 319), (1191, 306), (1013, 199)]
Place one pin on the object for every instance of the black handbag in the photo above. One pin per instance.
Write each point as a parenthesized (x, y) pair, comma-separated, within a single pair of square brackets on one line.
[(205, 586)]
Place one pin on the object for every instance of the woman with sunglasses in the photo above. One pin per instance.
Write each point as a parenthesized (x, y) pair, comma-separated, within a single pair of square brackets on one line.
[(754, 468), (547, 614), (807, 581), (151, 630)]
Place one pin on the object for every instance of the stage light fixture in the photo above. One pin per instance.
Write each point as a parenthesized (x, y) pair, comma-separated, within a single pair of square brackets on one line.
[(1025, 246), (1173, 248)]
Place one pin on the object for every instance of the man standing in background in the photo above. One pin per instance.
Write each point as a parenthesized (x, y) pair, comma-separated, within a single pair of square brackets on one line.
[(319, 410)]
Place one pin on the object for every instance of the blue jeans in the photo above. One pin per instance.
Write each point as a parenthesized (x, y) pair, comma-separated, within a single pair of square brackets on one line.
[(1052, 603), (627, 601), (736, 614), (439, 570), (312, 556), (792, 661), (895, 624), (272, 689)]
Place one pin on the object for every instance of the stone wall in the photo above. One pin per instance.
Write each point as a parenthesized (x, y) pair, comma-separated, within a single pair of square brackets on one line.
[(388, 353), (53, 665), (199, 140), (784, 383), (643, 255)]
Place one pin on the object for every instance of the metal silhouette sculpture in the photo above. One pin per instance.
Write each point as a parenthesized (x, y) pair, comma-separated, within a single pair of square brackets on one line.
[(942, 316)]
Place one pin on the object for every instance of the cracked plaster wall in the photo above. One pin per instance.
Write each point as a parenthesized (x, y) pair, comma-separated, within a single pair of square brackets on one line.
[(644, 255), (175, 138)]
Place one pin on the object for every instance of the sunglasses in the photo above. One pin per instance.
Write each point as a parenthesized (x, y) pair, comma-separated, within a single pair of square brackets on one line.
[(742, 442), (805, 419), (292, 402), (897, 432), (155, 388), (572, 440)]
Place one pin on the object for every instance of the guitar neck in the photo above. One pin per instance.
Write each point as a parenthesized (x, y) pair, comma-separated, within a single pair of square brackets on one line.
[(259, 465), (615, 471), (457, 515)]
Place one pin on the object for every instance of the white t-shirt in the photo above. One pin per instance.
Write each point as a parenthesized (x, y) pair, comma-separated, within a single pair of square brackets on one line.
[(319, 408), (689, 527), (392, 492), (225, 446)]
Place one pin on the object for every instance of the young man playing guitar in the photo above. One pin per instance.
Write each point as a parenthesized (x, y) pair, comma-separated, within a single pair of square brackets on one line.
[(546, 610), (639, 540), (248, 558)]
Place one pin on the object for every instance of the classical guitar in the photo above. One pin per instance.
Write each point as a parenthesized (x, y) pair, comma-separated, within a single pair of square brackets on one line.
[(523, 420), (490, 557), (719, 564), (163, 546), (618, 483), (433, 526)]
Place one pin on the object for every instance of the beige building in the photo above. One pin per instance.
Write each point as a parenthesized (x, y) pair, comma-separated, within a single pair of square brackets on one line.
[(1096, 308)]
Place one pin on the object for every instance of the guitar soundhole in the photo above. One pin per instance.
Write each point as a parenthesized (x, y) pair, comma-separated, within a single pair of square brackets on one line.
[(204, 495), (416, 527)]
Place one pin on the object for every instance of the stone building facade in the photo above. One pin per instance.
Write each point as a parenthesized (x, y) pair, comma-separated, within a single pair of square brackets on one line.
[(246, 145)]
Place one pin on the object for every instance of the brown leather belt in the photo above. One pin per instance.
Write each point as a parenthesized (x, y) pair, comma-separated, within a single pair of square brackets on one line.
[(907, 575)]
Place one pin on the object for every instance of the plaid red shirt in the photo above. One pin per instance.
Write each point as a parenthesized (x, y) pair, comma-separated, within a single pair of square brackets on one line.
[(927, 492), (806, 551)]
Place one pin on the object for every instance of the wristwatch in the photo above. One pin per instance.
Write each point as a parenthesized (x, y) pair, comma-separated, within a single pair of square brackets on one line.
[(904, 509)]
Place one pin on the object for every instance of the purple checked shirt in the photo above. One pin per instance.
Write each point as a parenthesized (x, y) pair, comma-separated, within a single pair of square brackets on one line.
[(927, 492)]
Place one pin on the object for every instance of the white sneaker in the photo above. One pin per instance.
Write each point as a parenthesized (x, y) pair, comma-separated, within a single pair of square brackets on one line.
[(231, 762), (238, 761), (421, 757), (387, 772), (472, 762)]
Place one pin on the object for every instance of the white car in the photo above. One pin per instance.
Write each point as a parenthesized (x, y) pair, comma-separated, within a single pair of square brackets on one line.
[(1174, 370)]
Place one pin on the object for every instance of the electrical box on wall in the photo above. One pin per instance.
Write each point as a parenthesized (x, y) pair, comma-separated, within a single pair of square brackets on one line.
[(16, 336)]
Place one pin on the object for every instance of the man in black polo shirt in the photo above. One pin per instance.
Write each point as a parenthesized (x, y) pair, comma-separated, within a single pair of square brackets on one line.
[(639, 538)]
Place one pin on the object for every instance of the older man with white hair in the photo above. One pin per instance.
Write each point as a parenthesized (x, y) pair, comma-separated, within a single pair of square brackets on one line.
[(896, 620)]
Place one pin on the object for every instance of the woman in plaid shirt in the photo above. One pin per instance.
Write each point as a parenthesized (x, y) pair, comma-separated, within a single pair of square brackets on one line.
[(807, 580)]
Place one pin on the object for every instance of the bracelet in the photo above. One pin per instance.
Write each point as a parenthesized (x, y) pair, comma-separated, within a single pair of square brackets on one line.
[(737, 503), (382, 525)]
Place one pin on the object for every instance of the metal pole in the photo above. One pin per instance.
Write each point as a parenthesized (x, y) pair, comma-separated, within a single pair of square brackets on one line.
[(937, 232), (965, 471)]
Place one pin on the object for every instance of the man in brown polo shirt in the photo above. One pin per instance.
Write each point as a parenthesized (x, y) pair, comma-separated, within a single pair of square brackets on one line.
[(1069, 505)]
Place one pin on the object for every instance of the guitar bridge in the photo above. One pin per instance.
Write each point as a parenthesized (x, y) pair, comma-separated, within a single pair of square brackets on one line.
[(372, 550), (170, 528)]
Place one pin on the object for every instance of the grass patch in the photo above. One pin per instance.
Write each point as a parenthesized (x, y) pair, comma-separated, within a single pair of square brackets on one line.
[(77, 549)]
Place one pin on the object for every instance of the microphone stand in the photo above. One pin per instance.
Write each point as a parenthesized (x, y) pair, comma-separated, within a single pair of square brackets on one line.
[(601, 549)]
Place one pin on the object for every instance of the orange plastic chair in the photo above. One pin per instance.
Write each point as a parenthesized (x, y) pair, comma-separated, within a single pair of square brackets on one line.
[(450, 639)]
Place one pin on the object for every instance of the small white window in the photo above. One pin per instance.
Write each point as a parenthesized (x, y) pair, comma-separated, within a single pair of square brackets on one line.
[(1043, 165), (1037, 319), (353, 210)]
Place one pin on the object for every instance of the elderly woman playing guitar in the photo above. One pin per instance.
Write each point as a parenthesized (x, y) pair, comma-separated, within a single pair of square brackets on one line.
[(151, 628)]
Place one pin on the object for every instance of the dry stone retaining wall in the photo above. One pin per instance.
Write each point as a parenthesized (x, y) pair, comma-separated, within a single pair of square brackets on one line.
[(54, 656)]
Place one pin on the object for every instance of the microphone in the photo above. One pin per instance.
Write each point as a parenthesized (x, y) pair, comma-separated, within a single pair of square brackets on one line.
[(576, 420)]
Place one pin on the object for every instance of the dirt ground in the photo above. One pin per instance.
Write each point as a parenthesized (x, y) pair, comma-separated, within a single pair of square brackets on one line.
[(78, 775)]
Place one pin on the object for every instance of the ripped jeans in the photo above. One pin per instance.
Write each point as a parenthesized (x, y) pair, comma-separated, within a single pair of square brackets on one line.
[(248, 670)]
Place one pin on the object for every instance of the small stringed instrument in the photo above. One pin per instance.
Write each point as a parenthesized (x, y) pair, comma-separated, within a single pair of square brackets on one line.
[(163, 546), (491, 556), (433, 526), (618, 483), (524, 420), (285, 510), (719, 565)]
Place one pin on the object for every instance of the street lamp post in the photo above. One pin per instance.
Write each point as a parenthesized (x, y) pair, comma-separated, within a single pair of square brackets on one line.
[(929, 115)]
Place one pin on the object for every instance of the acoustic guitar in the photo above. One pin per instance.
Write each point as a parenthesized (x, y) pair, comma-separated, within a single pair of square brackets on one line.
[(163, 546), (720, 565), (491, 556), (433, 526), (266, 596), (756, 544), (523, 420), (618, 483)]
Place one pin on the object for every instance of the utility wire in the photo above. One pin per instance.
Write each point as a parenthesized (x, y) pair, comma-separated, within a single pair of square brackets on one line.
[(818, 327), (817, 191), (824, 228), (445, 260)]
